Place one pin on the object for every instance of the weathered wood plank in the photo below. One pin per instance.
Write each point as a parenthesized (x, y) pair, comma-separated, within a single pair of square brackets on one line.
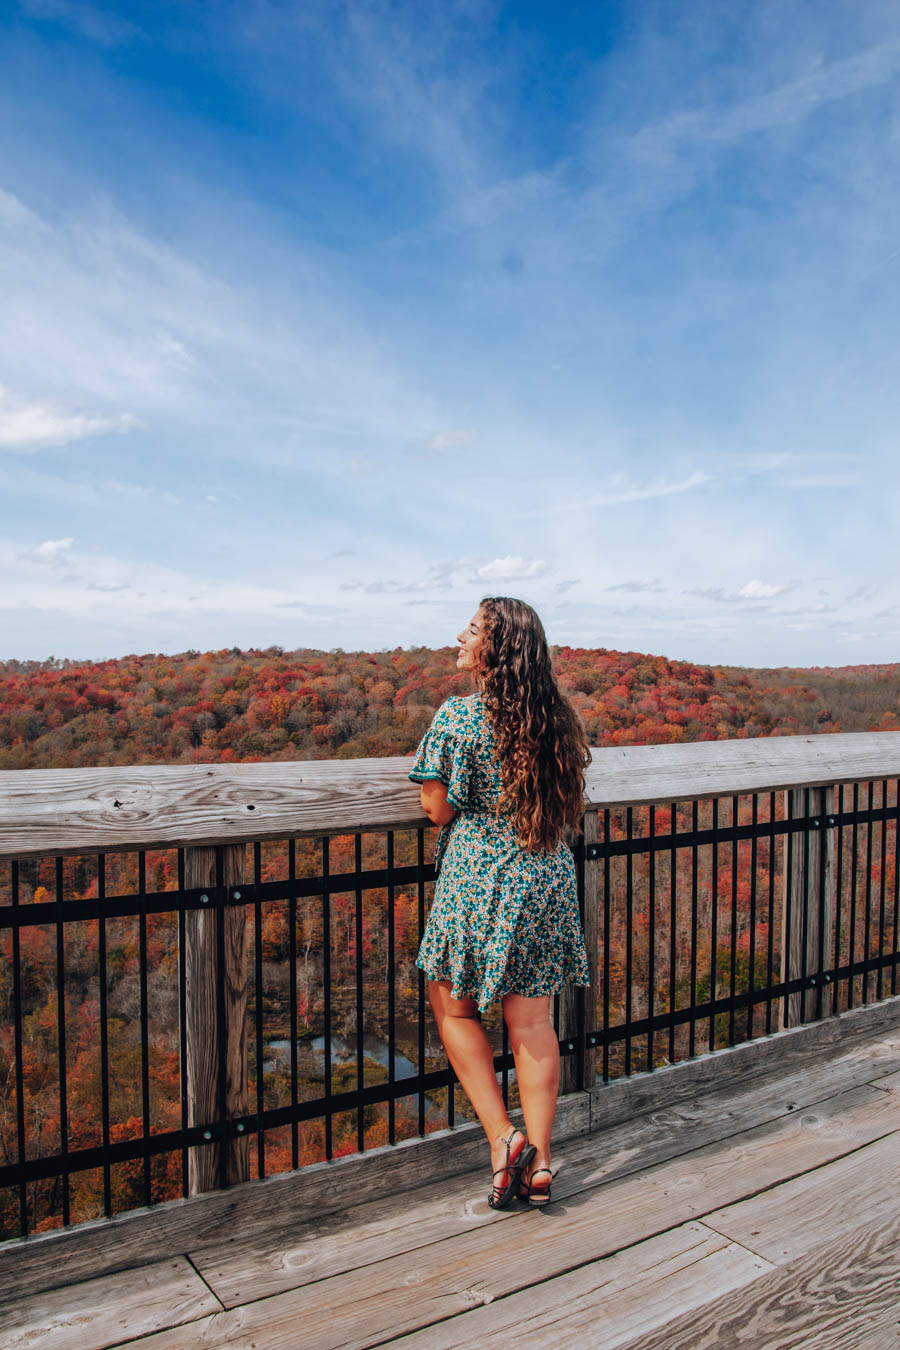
[(405, 1293), (202, 1029), (825, 1057), (240, 1266), (154, 806), (605, 1302), (108, 1310), (790, 1220), (840, 1296), (890, 1082), (807, 915)]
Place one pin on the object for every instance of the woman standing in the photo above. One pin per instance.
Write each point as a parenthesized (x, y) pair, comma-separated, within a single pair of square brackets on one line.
[(502, 772)]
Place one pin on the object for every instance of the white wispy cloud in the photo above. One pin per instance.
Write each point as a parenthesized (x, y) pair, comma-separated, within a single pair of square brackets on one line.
[(762, 590), (51, 553), (783, 105), (645, 584), (619, 493), (30, 425), (754, 592), (453, 438), (512, 568)]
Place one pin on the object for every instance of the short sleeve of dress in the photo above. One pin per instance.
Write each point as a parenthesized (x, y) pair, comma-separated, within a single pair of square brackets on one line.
[(446, 753)]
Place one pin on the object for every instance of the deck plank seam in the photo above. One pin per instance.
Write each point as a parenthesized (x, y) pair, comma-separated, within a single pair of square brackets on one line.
[(200, 1276)]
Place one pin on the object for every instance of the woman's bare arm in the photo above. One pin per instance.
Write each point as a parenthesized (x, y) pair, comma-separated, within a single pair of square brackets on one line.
[(434, 802)]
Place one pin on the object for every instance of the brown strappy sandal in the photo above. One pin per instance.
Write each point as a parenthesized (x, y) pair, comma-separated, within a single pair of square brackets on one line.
[(500, 1196), (540, 1195)]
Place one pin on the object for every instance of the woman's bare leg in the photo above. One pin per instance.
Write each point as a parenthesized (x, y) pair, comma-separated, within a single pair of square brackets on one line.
[(469, 1051), (535, 1048)]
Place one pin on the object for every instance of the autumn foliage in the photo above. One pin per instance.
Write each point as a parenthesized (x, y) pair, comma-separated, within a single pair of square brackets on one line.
[(273, 705)]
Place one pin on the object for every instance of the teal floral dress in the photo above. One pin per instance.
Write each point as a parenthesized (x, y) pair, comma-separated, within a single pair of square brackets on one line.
[(504, 920)]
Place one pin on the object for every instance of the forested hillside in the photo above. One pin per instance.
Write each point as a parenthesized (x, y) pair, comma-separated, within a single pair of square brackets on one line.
[(271, 704)]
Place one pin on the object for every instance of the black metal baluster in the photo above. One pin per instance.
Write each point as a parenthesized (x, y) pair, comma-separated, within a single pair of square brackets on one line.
[(258, 1010), (651, 936), (788, 905), (867, 944), (145, 1022), (360, 1022), (854, 861), (838, 901), (770, 945), (18, 1017), (695, 920), (879, 984), (607, 920), (754, 858), (629, 937), (714, 924), (806, 844), (732, 982), (292, 995), (673, 928), (326, 998), (896, 888), (392, 990), (61, 1040), (822, 845), (104, 1034)]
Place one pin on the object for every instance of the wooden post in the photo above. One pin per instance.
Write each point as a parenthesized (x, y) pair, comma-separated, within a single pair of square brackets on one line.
[(211, 1025), (572, 1075), (809, 885)]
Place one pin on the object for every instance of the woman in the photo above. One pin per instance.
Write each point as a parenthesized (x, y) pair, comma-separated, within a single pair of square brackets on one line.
[(502, 772)]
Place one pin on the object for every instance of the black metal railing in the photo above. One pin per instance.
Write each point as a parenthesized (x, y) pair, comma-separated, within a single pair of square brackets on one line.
[(717, 921)]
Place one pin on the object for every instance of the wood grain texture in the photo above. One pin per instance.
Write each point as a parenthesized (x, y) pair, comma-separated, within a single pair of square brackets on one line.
[(240, 1266), (807, 915), (203, 1033), (843, 1295), (605, 1302), (108, 1310), (441, 1280), (63, 811), (790, 1220)]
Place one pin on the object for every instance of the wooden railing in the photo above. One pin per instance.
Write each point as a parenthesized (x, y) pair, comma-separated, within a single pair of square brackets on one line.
[(746, 885)]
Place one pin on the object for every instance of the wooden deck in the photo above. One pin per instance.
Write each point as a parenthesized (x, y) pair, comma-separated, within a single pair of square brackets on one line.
[(761, 1213)]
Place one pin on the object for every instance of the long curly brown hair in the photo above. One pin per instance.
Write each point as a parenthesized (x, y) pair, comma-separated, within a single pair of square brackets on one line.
[(540, 742)]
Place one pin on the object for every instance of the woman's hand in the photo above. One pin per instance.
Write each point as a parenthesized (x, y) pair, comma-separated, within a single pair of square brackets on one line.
[(434, 802)]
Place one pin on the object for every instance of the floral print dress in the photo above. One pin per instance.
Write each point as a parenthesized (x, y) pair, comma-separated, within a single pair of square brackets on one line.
[(504, 920)]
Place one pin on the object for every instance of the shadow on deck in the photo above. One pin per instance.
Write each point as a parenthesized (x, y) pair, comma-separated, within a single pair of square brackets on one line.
[(746, 1199)]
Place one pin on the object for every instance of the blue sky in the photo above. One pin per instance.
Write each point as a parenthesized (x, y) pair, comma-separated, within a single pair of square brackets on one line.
[(319, 321)]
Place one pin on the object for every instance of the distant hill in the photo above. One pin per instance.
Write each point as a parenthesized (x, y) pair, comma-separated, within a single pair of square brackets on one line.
[(268, 705)]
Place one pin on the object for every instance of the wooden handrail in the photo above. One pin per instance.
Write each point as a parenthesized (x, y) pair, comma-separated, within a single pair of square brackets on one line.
[(66, 811)]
